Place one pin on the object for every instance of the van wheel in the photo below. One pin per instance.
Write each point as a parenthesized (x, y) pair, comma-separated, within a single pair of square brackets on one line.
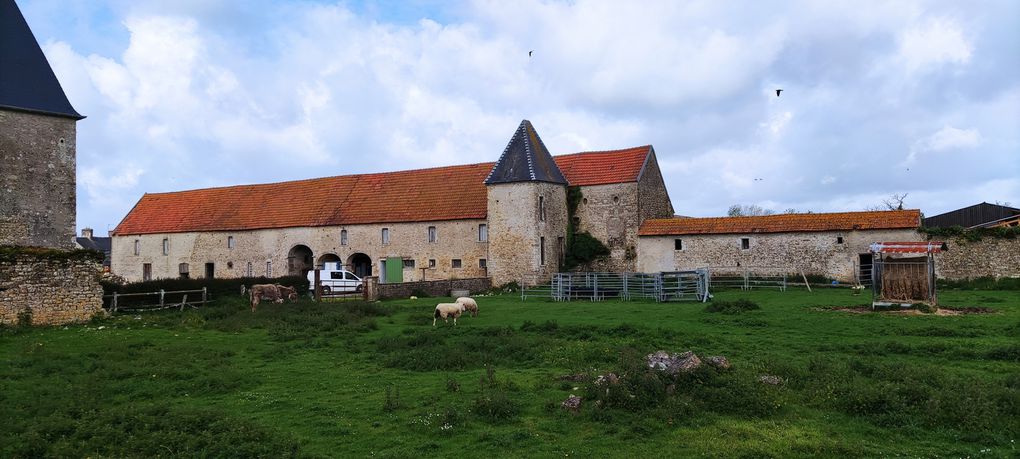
[(358, 288), (325, 290)]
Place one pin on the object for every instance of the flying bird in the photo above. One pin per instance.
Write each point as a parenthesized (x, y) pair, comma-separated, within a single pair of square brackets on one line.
[(778, 91), (529, 53)]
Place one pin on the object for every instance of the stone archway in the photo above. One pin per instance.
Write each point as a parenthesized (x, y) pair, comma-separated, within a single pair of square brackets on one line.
[(299, 260), (327, 258), (360, 264)]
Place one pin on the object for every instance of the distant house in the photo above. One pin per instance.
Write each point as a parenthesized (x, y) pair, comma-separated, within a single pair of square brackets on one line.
[(102, 244), (835, 245), (976, 216)]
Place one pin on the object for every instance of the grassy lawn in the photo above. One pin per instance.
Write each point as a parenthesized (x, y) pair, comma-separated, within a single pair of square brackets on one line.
[(357, 380)]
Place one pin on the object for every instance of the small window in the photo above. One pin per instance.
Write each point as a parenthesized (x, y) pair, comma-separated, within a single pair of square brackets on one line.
[(138, 247), (350, 276), (166, 246), (541, 250), (343, 237), (182, 269), (408, 263), (616, 199), (432, 234), (336, 275), (839, 239), (250, 270), (455, 263), (482, 263), (146, 271), (269, 269), (541, 208), (584, 201), (678, 244), (483, 233), (230, 242), (577, 223), (432, 263), (385, 236), (745, 243)]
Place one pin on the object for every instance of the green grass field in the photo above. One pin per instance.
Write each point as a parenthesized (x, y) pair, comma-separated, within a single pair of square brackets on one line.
[(377, 380)]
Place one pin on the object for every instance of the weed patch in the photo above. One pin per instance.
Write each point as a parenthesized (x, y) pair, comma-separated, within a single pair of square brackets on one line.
[(732, 307)]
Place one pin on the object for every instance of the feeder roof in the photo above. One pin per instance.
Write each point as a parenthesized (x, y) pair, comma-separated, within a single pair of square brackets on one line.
[(909, 247)]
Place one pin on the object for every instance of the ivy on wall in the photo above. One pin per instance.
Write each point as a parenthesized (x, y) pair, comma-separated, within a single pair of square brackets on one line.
[(582, 247)]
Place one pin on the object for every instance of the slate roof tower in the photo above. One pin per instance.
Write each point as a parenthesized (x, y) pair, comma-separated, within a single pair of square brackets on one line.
[(37, 142), (527, 203)]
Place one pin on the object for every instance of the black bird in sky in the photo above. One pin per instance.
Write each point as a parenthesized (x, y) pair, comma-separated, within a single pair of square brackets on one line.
[(778, 91), (529, 53)]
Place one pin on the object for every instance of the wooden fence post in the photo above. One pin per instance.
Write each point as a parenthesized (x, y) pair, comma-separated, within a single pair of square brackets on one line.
[(114, 301), (184, 301), (318, 286), (161, 292), (205, 296)]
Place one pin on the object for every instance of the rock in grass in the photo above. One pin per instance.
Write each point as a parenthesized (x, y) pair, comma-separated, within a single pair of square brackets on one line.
[(673, 363), (572, 403), (607, 379), (771, 380), (718, 361)]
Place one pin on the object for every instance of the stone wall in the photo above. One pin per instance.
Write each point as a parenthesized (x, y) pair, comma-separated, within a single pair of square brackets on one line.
[(434, 288), (811, 252), (989, 257), (610, 214), (454, 240), (37, 180), (653, 199), (516, 231), (56, 290)]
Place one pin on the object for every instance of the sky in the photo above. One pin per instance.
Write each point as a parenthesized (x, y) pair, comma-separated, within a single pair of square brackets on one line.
[(879, 98)]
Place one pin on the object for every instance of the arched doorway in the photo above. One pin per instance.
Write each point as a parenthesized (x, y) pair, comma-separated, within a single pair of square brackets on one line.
[(360, 264), (299, 260), (327, 258)]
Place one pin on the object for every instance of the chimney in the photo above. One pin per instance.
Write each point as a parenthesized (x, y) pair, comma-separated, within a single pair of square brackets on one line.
[(86, 233)]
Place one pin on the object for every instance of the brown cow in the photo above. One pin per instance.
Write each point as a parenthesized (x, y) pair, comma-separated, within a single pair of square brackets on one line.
[(271, 292)]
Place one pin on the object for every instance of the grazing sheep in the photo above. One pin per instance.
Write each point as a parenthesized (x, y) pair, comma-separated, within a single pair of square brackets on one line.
[(445, 310), (469, 305)]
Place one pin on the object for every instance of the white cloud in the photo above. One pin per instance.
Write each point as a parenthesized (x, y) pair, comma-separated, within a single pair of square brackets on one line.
[(934, 42), (947, 138)]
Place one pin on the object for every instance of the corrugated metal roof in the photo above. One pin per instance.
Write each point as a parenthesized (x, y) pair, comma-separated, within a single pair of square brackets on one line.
[(909, 247)]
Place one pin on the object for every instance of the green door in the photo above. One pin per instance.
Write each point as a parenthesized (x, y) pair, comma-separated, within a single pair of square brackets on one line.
[(394, 270)]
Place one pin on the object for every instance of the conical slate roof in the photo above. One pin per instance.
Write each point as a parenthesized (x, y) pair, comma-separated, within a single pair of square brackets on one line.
[(525, 159), (26, 80)]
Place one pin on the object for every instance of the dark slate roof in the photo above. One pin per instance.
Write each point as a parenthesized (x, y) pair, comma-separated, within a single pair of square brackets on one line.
[(525, 159), (26, 80), (102, 244)]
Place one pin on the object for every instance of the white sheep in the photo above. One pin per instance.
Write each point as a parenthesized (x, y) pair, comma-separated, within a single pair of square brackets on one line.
[(445, 310), (469, 305)]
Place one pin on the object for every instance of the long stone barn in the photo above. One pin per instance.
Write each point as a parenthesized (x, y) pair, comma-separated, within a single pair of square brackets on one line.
[(505, 220), (835, 245)]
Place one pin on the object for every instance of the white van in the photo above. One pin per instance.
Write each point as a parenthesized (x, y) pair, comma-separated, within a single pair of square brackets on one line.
[(335, 279)]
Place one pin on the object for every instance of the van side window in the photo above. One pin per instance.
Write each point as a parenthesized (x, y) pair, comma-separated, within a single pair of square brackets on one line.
[(336, 275)]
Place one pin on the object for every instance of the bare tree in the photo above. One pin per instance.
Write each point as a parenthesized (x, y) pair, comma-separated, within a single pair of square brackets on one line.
[(895, 202), (750, 210)]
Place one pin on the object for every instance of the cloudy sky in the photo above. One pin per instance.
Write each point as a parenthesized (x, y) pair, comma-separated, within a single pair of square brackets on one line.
[(879, 98)]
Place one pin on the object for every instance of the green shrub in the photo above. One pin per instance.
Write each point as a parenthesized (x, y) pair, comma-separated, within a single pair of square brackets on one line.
[(494, 403), (981, 283), (732, 307)]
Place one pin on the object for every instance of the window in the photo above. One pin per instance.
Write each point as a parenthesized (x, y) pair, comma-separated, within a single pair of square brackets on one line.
[(541, 250), (166, 246), (182, 269), (455, 263), (269, 269), (230, 242), (541, 208), (616, 199), (250, 271), (432, 263), (146, 271), (482, 263), (138, 247), (343, 237), (483, 233), (408, 263), (385, 236), (678, 244), (839, 239), (745, 243), (432, 234), (336, 275)]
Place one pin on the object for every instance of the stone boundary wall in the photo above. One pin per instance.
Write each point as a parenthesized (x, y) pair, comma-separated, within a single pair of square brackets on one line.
[(989, 257), (434, 288), (57, 291)]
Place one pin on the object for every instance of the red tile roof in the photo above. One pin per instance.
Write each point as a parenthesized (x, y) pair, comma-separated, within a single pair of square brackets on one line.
[(603, 167), (785, 223), (437, 194)]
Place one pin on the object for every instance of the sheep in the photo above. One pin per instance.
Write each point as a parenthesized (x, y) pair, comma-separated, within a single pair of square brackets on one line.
[(445, 310), (469, 305)]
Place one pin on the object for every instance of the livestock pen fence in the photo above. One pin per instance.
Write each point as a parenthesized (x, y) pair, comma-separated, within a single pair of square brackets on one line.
[(154, 301), (665, 286)]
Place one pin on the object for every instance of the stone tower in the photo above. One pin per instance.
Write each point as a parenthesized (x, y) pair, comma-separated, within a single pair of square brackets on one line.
[(37, 142), (527, 210)]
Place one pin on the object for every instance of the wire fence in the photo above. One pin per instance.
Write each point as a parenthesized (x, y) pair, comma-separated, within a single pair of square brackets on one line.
[(592, 286), (155, 301)]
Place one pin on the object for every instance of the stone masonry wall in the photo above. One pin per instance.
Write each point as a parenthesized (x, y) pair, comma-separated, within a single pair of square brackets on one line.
[(434, 288), (990, 256), (812, 252), (37, 180), (610, 214), (515, 230), (455, 240), (56, 291), (653, 199)]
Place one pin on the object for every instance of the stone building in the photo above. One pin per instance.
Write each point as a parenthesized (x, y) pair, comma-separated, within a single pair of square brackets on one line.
[(835, 245), (505, 220), (41, 282)]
